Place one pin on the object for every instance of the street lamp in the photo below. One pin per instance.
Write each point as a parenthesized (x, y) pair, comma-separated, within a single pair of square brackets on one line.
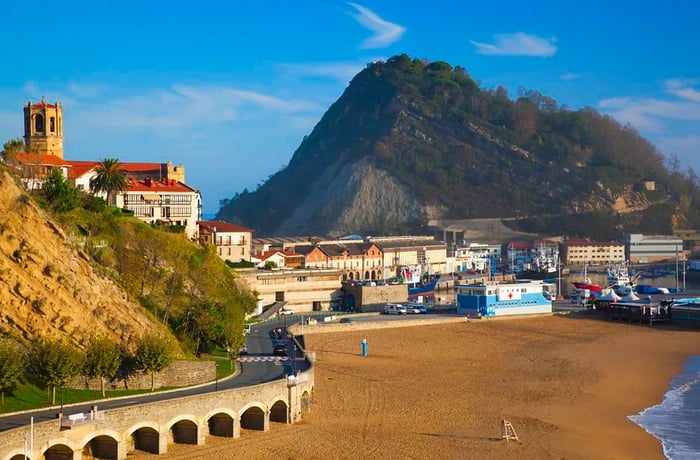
[(61, 400), (216, 376), (294, 357)]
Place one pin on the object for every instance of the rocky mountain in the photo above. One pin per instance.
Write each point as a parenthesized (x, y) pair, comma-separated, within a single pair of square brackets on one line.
[(47, 286), (410, 141)]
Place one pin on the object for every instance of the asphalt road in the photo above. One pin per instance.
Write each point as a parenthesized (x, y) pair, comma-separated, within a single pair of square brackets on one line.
[(259, 343)]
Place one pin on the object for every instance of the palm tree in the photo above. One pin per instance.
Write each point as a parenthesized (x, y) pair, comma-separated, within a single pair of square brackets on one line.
[(110, 177)]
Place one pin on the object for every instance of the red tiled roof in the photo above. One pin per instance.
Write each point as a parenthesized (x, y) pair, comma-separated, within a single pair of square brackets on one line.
[(39, 159), (520, 245), (79, 168), (42, 104), (222, 226), (129, 167), (155, 186), (140, 167), (266, 255)]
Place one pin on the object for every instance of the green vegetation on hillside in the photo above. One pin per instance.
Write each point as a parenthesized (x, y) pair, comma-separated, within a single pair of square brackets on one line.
[(473, 151), (186, 286)]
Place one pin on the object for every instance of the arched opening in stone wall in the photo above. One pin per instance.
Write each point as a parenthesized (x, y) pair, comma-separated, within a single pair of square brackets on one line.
[(20, 457), (345, 276), (146, 439), (221, 425), (58, 452), (103, 447), (305, 402), (185, 432), (367, 275), (357, 275), (253, 419), (39, 123), (278, 412), (373, 275), (351, 276)]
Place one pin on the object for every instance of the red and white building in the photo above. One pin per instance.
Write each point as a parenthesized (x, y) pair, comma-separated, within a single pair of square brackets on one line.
[(155, 193)]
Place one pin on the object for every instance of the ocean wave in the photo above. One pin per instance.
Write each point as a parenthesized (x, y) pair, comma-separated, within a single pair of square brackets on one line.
[(673, 421)]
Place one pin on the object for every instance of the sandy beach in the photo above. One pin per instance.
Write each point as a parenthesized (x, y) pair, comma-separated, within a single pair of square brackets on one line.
[(567, 383)]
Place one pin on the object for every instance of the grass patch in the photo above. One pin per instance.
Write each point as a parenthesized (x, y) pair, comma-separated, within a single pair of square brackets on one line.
[(29, 397), (225, 368)]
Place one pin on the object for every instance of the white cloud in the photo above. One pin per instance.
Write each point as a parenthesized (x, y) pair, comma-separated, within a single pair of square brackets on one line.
[(681, 102), (683, 89), (385, 32), (182, 106), (569, 76), (342, 72), (517, 44)]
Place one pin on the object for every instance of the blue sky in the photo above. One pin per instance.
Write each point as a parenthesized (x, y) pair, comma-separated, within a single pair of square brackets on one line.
[(230, 88)]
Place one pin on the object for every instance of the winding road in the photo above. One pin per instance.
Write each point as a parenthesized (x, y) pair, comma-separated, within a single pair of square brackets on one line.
[(253, 371)]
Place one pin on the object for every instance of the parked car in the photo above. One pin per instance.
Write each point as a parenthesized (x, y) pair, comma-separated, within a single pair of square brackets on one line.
[(418, 307), (243, 350), (394, 309), (247, 328), (347, 320), (413, 309), (286, 311)]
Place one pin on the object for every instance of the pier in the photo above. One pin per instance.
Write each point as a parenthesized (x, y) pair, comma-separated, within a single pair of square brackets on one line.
[(639, 312)]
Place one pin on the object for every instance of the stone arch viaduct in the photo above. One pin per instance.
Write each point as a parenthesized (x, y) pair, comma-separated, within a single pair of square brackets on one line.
[(150, 427)]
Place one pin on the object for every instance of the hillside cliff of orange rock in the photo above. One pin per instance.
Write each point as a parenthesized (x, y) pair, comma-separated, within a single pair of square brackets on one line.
[(48, 287)]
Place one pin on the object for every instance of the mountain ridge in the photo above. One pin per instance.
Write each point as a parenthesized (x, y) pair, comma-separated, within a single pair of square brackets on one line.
[(444, 148)]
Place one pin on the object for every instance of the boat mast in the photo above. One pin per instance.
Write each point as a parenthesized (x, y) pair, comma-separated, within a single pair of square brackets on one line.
[(559, 277)]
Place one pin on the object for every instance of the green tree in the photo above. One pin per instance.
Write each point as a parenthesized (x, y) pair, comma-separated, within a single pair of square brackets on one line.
[(55, 363), (102, 359), (59, 194), (11, 365), (11, 147), (153, 354), (110, 177)]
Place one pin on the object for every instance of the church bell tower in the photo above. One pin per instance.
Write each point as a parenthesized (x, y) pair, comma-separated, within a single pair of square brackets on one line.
[(43, 128)]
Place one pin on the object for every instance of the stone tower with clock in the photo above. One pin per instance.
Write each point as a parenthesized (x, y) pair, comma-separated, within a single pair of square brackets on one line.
[(43, 128)]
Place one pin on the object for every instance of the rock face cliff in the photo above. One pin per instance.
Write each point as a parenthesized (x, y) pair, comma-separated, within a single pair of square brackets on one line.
[(47, 286), (410, 141)]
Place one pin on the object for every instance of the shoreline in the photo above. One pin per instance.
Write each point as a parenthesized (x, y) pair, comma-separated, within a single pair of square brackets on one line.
[(567, 383)]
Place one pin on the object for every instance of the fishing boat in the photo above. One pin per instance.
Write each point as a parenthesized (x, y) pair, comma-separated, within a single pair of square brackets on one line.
[(586, 284), (542, 264), (620, 280), (619, 275), (418, 282)]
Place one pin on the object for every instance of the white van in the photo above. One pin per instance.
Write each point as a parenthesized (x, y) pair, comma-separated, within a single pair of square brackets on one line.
[(394, 309)]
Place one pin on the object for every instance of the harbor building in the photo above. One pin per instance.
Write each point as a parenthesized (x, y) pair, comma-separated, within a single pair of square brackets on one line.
[(587, 252), (643, 249), (524, 297)]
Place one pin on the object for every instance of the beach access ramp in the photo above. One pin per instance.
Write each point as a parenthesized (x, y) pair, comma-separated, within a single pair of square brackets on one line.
[(272, 310)]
